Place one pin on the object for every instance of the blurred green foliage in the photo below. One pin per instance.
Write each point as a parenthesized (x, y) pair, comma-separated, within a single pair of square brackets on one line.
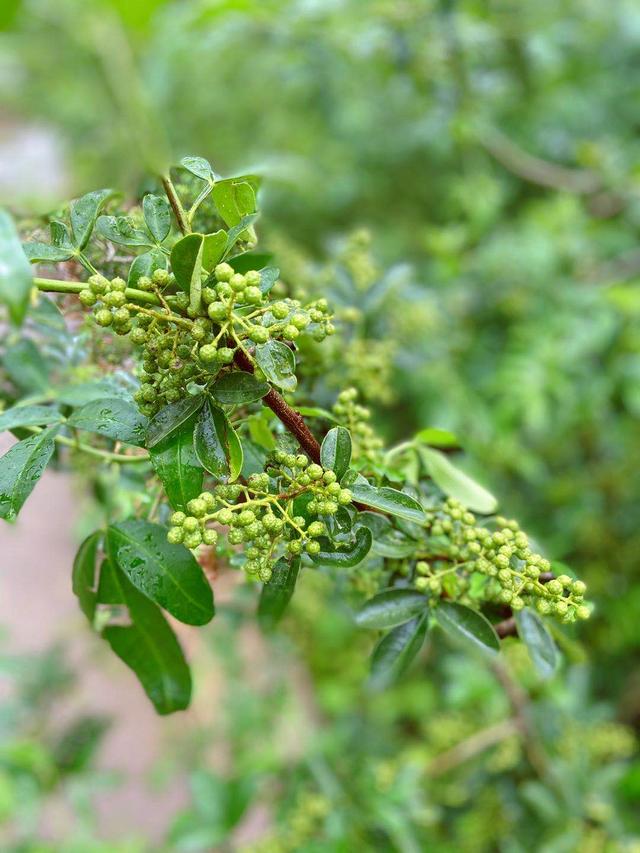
[(491, 151)]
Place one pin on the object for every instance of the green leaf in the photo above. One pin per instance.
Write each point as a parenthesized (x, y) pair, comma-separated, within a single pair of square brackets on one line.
[(250, 261), (26, 366), (396, 650), (315, 412), (169, 418), (186, 264), (217, 445), (37, 252), (213, 248), (335, 452), (199, 167), (387, 541), (60, 236), (21, 416), (117, 419), (157, 215), (391, 607), (120, 230), (21, 468), (84, 578), (455, 483), (94, 389), (15, 272), (344, 557), (278, 363), (268, 278), (437, 437), (277, 593), (468, 626), (84, 213), (167, 574), (238, 387), (539, 642), (147, 645), (238, 231), (234, 200), (174, 460), (388, 500), (146, 265)]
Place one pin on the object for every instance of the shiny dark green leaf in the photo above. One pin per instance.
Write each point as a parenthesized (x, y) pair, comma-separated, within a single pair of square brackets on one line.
[(157, 216), (396, 650), (250, 261), (238, 387), (467, 626), (278, 363), (344, 556), (335, 452), (171, 417), (217, 445), (277, 593), (539, 642), (20, 469), (391, 607), (84, 213), (146, 644), (388, 500), (116, 418), (167, 574), (15, 273), (174, 460)]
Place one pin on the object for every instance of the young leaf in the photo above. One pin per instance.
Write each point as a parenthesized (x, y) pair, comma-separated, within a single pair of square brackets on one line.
[(169, 418), (60, 236), (21, 468), (315, 412), (335, 452), (217, 445), (15, 272), (391, 607), (238, 387), (120, 230), (84, 213), (21, 416), (37, 252), (278, 363), (146, 265), (147, 645), (84, 575), (157, 215), (388, 500), (539, 642), (167, 574), (213, 248), (186, 263), (455, 483), (436, 437), (396, 650), (277, 593), (174, 460), (468, 626), (117, 419), (199, 167), (341, 557), (234, 199)]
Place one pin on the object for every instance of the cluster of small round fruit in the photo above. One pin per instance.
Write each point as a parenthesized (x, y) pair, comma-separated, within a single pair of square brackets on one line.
[(365, 444), (264, 521), (515, 574)]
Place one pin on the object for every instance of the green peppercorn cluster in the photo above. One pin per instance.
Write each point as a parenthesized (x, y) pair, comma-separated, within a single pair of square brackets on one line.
[(182, 342), (262, 515), (515, 574), (365, 443)]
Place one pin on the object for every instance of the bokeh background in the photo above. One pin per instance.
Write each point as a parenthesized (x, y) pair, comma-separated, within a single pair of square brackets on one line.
[(466, 173)]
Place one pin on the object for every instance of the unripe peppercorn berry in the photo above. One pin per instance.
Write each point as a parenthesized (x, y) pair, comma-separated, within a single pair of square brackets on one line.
[(252, 278), (223, 272), (217, 311)]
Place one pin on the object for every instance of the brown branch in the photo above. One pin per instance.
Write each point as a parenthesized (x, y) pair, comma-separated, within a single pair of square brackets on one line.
[(506, 628), (293, 421), (519, 701), (176, 204)]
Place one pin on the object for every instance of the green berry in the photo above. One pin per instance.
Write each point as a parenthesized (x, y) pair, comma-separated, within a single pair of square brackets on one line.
[(259, 335), (314, 471), (208, 353), (290, 333), (197, 507), (191, 524), (209, 537), (192, 540), (98, 284), (87, 297), (225, 355), (312, 547), (253, 295), (104, 317), (252, 278), (177, 519), (421, 584), (237, 282), (175, 535), (280, 310), (300, 321), (118, 284), (217, 311), (223, 272)]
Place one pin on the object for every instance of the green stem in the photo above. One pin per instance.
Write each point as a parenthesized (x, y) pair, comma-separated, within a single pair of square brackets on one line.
[(94, 451), (54, 285)]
